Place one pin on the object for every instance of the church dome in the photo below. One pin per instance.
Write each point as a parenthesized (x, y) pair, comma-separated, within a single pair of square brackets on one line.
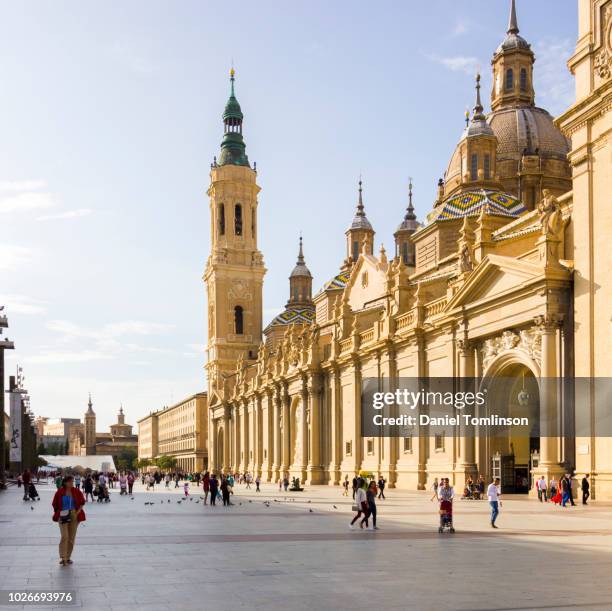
[(525, 129), (472, 203), (513, 41)]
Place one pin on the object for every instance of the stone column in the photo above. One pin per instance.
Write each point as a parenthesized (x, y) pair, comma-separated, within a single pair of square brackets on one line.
[(275, 401), (212, 444), (548, 327), (389, 445), (305, 422), (315, 468), (226, 439), (357, 439), (237, 440), (466, 465), (335, 474), (286, 432), (244, 434)]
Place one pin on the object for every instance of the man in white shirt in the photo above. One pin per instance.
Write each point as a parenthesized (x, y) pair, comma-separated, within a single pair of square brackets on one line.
[(493, 494), (541, 484)]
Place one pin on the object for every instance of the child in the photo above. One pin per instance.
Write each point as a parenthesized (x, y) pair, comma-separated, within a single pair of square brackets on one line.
[(186, 488)]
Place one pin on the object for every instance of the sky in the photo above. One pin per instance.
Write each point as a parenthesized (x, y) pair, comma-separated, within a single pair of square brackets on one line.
[(110, 115)]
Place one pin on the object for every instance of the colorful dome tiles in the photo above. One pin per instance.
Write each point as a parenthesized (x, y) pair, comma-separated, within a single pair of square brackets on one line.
[(471, 203), (295, 316)]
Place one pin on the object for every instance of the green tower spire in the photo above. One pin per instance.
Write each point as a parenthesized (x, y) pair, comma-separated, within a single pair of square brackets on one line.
[(232, 146)]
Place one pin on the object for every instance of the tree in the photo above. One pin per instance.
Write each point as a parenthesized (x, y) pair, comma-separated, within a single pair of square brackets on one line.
[(41, 449), (143, 463), (166, 462), (125, 459)]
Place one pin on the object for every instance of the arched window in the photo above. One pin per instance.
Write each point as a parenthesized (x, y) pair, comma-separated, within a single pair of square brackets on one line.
[(405, 253), (509, 79), (487, 167), (355, 250), (474, 167), (238, 219), (238, 320), (523, 79), (253, 223), (221, 219)]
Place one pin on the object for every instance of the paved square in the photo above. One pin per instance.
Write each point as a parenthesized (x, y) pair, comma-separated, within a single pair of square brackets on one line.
[(295, 551)]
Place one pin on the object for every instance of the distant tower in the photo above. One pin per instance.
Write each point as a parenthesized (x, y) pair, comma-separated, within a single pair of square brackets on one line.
[(404, 249), (235, 269), (90, 429), (300, 282), (359, 233), (121, 416)]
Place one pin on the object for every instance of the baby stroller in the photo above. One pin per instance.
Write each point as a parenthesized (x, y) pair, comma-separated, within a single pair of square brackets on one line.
[(33, 493), (446, 517)]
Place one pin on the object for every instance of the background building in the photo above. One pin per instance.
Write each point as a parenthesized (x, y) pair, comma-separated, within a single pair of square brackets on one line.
[(179, 431), (119, 442)]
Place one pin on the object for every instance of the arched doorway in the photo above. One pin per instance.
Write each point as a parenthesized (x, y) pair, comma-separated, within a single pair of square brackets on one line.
[(511, 451), (295, 437)]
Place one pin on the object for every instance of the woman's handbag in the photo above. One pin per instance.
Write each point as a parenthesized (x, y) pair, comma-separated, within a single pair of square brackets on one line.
[(65, 516), (354, 508)]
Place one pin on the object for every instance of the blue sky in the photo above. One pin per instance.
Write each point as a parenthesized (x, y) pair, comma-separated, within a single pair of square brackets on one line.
[(110, 117)]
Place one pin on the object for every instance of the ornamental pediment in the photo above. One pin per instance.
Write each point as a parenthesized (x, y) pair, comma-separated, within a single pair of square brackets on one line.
[(494, 276)]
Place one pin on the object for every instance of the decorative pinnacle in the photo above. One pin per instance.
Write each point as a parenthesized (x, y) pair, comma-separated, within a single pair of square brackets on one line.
[(300, 258), (478, 108), (512, 23), (410, 215), (360, 206), (232, 73), (467, 117)]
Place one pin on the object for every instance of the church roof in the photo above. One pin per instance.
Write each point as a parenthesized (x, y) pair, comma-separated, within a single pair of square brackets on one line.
[(360, 220), (337, 282), (295, 316), (471, 203)]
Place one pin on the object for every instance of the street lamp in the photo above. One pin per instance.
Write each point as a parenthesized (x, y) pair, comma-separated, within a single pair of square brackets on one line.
[(5, 344)]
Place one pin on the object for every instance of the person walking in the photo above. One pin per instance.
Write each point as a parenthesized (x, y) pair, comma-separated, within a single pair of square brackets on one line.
[(122, 484), (68, 512), (434, 487), (345, 484), (88, 487), (493, 494), (77, 481), (541, 486), (225, 495), (286, 483), (26, 478), (206, 486), (585, 489), (176, 480), (214, 489), (257, 482), (381, 487), (130, 482), (553, 487), (371, 498), (167, 480), (569, 489), (361, 503), (247, 479), (186, 488), (566, 490), (355, 484)]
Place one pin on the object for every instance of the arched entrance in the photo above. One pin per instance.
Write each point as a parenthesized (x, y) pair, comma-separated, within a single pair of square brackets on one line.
[(511, 451)]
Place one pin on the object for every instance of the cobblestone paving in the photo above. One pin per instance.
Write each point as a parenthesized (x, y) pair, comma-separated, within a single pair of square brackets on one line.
[(273, 550)]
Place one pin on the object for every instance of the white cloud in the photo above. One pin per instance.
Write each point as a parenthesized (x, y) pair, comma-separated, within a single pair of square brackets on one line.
[(21, 185), (20, 304), (553, 81), (458, 63), (27, 200), (108, 332), (52, 357), (69, 214), (12, 257)]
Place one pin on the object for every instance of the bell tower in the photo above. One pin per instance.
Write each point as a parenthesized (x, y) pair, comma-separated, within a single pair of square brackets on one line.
[(513, 69), (235, 269), (90, 429)]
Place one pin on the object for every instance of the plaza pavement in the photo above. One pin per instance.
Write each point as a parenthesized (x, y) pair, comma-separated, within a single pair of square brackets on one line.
[(298, 553)]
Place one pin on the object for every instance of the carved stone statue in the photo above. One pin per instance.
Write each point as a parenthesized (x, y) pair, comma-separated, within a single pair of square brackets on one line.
[(465, 263), (550, 216)]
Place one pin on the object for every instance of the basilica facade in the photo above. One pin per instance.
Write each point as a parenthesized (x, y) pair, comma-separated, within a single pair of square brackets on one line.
[(506, 277)]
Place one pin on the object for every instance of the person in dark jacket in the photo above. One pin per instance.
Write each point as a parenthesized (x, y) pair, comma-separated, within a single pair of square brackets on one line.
[(68, 512), (225, 492), (371, 511), (214, 488), (586, 487)]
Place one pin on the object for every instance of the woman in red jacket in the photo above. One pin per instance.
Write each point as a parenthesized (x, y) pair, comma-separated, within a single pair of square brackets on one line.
[(68, 512)]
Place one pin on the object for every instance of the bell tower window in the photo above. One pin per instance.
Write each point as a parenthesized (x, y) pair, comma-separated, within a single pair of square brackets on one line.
[(238, 219), (523, 79), (487, 167), (355, 250), (221, 219), (509, 79), (405, 253), (474, 167), (238, 320)]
